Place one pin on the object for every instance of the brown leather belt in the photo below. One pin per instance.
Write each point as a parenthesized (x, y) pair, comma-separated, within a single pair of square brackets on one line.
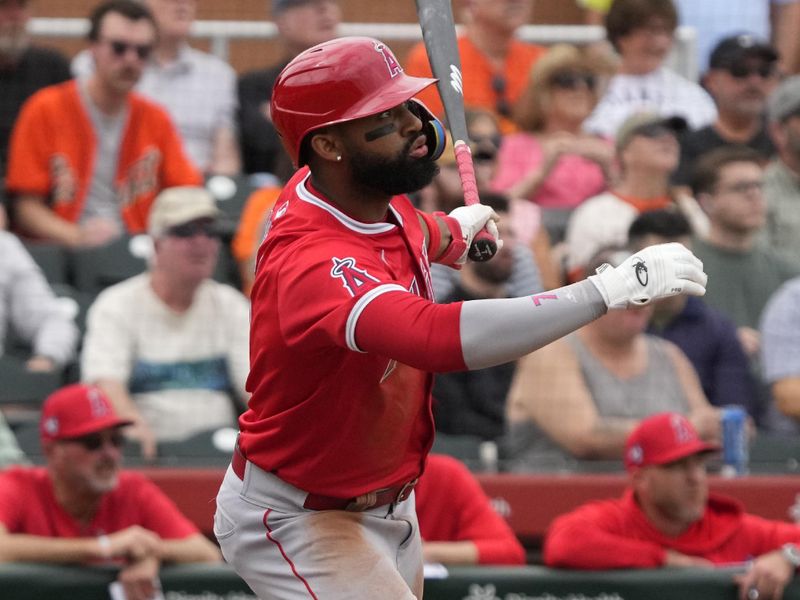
[(382, 497)]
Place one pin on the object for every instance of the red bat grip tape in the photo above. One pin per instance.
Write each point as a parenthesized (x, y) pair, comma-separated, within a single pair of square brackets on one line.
[(484, 245)]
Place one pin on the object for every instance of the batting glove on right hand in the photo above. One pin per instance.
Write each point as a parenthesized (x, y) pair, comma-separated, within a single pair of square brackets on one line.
[(655, 272), (472, 219)]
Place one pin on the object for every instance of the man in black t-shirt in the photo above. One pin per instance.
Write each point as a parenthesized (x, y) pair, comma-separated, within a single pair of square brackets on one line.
[(24, 69), (301, 24), (742, 73)]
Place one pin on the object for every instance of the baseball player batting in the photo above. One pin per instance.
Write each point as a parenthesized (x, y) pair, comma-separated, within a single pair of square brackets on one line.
[(319, 499)]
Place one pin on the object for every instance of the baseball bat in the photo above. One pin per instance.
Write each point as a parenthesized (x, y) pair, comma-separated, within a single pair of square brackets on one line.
[(439, 34)]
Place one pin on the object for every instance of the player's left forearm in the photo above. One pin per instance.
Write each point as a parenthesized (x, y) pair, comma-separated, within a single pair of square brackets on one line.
[(499, 331)]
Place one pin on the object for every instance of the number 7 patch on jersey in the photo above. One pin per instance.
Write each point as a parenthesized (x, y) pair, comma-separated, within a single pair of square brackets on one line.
[(353, 278)]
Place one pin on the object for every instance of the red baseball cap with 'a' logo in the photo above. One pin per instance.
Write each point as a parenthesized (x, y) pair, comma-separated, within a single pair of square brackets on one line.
[(661, 439), (77, 410)]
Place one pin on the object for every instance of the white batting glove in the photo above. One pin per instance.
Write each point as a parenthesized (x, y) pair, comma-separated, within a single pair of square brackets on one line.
[(655, 272), (472, 220)]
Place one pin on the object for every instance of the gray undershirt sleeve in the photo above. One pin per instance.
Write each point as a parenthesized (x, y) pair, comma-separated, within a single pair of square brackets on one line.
[(498, 331)]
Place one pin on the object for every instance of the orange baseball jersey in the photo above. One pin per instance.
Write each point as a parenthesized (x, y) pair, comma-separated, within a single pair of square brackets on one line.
[(53, 148), (479, 76)]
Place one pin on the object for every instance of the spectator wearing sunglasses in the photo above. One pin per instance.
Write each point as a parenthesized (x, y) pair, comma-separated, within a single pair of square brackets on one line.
[(534, 264), (743, 72), (642, 32), (494, 64), (170, 346), (782, 175), (551, 161), (88, 157), (81, 508), (647, 154), (197, 88)]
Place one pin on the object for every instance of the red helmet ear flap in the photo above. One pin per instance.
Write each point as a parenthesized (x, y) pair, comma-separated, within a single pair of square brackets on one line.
[(435, 134)]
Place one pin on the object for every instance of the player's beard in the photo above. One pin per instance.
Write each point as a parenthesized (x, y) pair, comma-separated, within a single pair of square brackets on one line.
[(403, 174)]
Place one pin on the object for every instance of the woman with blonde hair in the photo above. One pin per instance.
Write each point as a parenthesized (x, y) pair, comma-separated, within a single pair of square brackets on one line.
[(551, 161)]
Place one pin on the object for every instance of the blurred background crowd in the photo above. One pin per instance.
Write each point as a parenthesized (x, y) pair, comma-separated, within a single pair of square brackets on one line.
[(139, 163)]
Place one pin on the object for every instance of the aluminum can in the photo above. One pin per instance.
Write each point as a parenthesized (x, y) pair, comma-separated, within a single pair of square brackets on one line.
[(735, 449)]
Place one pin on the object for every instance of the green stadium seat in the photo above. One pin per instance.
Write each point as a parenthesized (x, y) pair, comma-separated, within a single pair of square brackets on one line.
[(52, 260), (94, 269), (20, 386)]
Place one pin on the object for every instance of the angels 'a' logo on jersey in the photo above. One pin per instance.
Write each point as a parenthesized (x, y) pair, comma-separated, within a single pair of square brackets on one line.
[(391, 62), (353, 277)]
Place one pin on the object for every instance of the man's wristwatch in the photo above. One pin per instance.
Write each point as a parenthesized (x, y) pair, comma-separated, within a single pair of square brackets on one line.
[(792, 554)]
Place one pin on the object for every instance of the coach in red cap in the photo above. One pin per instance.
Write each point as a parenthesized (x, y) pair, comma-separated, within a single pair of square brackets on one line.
[(668, 518), (81, 508)]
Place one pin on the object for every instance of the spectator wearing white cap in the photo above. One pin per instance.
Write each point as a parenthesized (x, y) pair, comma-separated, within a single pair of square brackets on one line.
[(81, 508), (782, 175), (170, 346), (647, 153)]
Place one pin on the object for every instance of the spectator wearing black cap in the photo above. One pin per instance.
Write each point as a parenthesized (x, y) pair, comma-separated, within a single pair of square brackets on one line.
[(743, 72), (301, 24), (782, 176)]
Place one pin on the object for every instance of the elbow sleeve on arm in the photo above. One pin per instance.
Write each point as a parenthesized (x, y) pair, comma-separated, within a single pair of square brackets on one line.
[(412, 330)]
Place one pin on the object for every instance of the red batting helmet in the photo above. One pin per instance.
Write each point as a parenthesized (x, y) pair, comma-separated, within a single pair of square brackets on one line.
[(333, 82)]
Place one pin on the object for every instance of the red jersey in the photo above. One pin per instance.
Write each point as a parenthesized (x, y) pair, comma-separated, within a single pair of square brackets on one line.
[(28, 505), (324, 415), (452, 507), (615, 534)]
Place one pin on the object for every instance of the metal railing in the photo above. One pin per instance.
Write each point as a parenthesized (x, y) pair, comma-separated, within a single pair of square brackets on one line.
[(221, 33)]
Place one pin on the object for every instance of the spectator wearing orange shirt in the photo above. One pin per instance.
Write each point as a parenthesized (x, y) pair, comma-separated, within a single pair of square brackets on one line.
[(250, 231), (494, 64), (88, 157)]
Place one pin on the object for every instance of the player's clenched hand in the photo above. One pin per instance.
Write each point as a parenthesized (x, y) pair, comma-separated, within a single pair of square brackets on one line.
[(472, 219), (134, 543), (655, 272)]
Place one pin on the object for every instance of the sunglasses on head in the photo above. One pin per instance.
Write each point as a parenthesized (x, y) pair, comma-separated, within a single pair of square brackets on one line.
[(193, 228), (120, 49), (571, 80), (743, 71), (95, 441)]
